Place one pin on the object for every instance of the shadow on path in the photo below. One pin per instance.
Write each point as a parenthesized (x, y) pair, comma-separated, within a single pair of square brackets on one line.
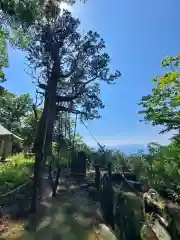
[(71, 215)]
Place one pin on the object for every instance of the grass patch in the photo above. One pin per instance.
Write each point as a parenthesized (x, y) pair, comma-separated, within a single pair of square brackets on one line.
[(16, 171)]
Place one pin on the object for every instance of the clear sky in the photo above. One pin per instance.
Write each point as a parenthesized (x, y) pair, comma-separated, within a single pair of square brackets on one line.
[(138, 35)]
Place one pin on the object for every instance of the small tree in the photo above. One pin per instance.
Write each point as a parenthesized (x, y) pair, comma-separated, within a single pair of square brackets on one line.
[(29, 127), (13, 109), (161, 107)]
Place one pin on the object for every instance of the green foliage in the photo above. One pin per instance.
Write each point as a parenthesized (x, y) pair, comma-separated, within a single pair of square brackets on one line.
[(29, 11), (12, 110), (23, 11), (28, 129), (19, 16), (3, 54), (103, 156), (163, 165), (16, 171), (16, 19), (83, 63), (13, 15), (159, 167), (15, 37), (162, 106), (66, 139)]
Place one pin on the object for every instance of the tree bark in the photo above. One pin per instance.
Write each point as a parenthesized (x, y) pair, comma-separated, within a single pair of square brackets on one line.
[(56, 182), (97, 178), (36, 182), (50, 177), (43, 142), (38, 149)]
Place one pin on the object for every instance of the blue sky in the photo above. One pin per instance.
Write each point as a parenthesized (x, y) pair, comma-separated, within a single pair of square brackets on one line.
[(138, 35)]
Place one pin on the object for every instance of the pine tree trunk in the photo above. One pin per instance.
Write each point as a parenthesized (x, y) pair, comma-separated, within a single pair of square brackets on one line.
[(36, 182), (43, 142), (38, 149)]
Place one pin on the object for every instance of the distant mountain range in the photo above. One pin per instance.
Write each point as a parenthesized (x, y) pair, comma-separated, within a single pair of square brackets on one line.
[(129, 149)]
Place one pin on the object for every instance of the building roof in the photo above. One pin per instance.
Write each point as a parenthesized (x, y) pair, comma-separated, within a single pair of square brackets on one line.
[(5, 132)]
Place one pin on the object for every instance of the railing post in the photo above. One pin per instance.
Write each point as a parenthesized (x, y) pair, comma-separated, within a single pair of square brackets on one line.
[(97, 178), (110, 170)]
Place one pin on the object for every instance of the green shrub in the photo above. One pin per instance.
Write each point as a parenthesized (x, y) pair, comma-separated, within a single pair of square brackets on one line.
[(16, 171)]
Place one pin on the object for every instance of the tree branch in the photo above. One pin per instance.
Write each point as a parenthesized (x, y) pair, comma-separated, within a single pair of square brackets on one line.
[(35, 112), (42, 86), (91, 80), (176, 138), (66, 109), (71, 71), (74, 66), (76, 95), (170, 121), (67, 98)]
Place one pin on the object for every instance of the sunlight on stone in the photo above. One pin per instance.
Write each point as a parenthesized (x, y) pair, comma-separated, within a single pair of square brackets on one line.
[(83, 221), (46, 204), (44, 223), (106, 233), (73, 187), (62, 188), (102, 232), (59, 218)]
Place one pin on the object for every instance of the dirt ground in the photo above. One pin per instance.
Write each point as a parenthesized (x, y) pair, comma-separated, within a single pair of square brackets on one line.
[(71, 215)]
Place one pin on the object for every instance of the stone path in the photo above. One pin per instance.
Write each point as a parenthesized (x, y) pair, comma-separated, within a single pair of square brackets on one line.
[(72, 215)]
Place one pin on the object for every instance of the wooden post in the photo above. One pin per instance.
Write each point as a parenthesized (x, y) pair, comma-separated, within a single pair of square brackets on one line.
[(97, 178), (110, 170)]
